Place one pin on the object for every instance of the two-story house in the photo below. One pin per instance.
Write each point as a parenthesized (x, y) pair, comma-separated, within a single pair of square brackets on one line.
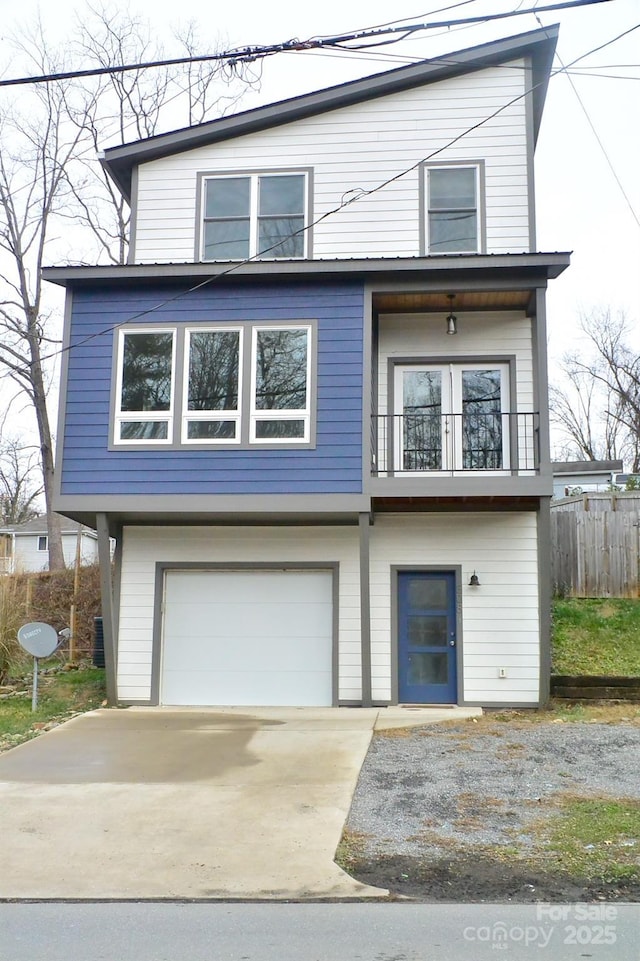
[(312, 408)]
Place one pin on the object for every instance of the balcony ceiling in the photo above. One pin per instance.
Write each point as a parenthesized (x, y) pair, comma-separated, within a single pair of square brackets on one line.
[(431, 301)]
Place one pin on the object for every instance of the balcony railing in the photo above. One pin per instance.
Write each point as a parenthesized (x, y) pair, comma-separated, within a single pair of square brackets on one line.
[(476, 442)]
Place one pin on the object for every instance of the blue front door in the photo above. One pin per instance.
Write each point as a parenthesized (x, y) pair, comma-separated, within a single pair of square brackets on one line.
[(427, 637)]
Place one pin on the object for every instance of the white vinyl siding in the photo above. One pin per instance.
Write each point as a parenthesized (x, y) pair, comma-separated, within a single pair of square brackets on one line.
[(480, 334), (356, 149), (29, 557), (500, 618)]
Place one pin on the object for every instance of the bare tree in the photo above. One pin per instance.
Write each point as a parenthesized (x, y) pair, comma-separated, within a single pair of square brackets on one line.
[(122, 107), (597, 408), (35, 147), (52, 186), (20, 483)]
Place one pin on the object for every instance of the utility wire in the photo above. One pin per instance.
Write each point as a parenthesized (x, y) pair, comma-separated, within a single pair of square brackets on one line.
[(329, 213), (248, 54), (598, 139)]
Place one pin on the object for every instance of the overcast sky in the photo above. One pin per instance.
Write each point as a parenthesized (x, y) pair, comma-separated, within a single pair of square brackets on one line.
[(580, 206)]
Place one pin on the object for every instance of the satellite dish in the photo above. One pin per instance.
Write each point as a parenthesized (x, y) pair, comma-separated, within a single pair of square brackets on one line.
[(38, 639)]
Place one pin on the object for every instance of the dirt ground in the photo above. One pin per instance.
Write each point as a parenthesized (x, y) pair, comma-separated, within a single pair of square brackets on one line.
[(454, 812), (471, 878)]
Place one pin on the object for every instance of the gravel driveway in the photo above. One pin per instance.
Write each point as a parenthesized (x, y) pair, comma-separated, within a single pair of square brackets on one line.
[(435, 806)]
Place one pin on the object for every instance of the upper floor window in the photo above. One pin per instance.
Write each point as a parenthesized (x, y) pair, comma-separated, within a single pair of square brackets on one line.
[(246, 384), (453, 209), (254, 215)]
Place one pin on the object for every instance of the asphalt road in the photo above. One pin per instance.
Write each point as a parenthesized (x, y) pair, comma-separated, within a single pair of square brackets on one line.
[(178, 931)]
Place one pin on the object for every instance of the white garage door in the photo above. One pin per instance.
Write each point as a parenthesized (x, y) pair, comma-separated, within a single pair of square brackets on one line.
[(247, 638)]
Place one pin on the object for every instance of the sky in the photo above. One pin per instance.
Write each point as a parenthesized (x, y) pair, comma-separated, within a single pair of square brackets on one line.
[(591, 122)]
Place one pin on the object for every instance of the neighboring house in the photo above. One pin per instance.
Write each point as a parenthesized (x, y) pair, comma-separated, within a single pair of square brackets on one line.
[(313, 406), (587, 475), (25, 547)]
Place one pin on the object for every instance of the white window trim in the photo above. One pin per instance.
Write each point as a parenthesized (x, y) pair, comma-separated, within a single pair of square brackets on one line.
[(452, 405), (478, 208), (254, 177), (122, 417), (43, 537), (221, 415), (247, 416), (303, 414)]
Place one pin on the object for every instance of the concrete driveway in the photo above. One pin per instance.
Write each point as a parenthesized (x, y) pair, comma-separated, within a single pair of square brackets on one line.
[(172, 803)]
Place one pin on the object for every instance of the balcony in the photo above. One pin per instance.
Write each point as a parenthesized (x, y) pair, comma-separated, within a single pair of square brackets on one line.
[(473, 444)]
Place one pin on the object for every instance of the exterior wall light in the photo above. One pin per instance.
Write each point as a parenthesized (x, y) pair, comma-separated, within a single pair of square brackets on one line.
[(452, 320), (474, 580)]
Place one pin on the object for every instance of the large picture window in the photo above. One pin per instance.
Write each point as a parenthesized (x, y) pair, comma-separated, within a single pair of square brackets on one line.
[(280, 392), (144, 408), (212, 402), (453, 209), (254, 215), (452, 417), (246, 384)]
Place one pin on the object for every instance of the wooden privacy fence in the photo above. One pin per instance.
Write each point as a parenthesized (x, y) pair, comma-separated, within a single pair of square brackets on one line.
[(594, 545)]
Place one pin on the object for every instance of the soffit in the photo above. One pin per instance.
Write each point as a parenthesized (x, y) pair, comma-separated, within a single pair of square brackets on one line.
[(420, 301)]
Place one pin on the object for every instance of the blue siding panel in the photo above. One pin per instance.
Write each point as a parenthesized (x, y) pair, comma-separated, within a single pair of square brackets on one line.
[(334, 465)]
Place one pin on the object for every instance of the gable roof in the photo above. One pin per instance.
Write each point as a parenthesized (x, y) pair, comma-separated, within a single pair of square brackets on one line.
[(38, 525), (539, 45), (586, 466)]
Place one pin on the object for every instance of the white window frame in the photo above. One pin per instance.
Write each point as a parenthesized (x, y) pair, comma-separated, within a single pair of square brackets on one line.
[(246, 417), (122, 417), (303, 414), (476, 167), (41, 538), (254, 192), (219, 415), (451, 401)]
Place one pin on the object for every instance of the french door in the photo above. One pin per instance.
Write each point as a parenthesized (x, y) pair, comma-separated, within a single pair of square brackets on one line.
[(451, 417)]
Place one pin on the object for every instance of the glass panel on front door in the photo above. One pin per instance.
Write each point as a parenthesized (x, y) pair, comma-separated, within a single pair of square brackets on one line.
[(427, 668)]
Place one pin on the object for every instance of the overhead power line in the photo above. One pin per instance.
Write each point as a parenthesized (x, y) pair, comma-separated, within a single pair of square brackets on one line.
[(248, 54), (345, 202)]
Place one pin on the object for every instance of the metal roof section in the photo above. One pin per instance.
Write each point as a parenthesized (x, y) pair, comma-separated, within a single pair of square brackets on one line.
[(432, 269), (539, 45)]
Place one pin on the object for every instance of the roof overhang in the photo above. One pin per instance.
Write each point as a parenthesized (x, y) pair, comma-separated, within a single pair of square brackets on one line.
[(538, 45), (446, 273)]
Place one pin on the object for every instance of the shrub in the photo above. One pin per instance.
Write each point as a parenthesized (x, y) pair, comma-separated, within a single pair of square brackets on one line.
[(11, 618), (47, 596)]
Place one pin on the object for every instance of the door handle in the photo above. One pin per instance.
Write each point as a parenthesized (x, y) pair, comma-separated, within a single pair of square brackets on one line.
[(452, 643)]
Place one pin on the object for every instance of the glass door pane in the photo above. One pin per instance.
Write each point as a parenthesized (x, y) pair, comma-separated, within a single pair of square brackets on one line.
[(421, 419), (482, 429)]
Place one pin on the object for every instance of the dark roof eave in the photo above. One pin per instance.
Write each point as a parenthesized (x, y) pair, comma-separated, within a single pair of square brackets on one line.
[(549, 265), (586, 466), (538, 44)]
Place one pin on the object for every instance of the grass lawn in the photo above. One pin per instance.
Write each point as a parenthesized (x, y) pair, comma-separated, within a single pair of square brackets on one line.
[(596, 636), (60, 696)]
